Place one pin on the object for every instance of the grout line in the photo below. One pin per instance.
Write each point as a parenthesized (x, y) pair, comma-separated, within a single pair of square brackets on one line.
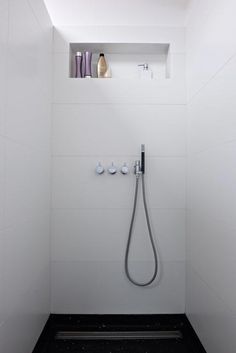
[(221, 68), (220, 144), (212, 289), (5, 78), (116, 261), (119, 103), (114, 156), (182, 209), (36, 17), (186, 202), (51, 172), (24, 144), (50, 210)]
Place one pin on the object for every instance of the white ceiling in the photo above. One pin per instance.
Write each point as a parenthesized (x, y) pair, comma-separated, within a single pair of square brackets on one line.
[(117, 12)]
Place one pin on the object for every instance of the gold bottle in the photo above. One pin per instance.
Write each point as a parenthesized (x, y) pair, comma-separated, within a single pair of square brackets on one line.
[(102, 67)]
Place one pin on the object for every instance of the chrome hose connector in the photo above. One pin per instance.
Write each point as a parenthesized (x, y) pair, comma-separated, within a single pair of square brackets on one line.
[(137, 169)]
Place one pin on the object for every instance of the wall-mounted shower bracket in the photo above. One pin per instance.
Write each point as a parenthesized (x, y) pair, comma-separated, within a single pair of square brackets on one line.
[(137, 168)]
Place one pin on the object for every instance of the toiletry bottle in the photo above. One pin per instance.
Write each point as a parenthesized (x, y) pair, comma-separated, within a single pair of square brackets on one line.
[(102, 67), (78, 62), (145, 72), (88, 64), (83, 65)]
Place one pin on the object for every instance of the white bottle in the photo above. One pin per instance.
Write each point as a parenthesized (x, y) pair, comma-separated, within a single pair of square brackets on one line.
[(145, 72), (103, 69)]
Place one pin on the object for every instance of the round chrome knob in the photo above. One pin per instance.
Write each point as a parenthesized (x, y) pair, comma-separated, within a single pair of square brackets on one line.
[(124, 169), (112, 169), (99, 169)]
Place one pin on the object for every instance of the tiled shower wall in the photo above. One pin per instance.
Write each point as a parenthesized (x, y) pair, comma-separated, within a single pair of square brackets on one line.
[(107, 120), (25, 114), (211, 245)]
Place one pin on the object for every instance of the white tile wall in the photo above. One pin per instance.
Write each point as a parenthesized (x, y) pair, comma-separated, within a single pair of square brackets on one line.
[(218, 100), (3, 42), (213, 220), (2, 179), (101, 235), (1, 278), (212, 319), (121, 127), (124, 13), (20, 159), (22, 318), (97, 287), (107, 120), (211, 43), (165, 183), (25, 109), (211, 247), (63, 35)]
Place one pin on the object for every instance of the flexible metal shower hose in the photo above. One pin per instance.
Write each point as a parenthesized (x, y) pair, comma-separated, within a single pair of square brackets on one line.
[(156, 266)]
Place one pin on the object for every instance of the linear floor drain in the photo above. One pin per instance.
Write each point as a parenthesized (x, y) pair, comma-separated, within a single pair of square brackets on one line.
[(118, 335)]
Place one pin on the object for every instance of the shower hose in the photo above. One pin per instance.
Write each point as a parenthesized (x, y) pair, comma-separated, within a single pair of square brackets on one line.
[(155, 254)]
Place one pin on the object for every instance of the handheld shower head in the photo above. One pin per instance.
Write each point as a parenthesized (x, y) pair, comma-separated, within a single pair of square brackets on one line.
[(139, 170), (143, 159)]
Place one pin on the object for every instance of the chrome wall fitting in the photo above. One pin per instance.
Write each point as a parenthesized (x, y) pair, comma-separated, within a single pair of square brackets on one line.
[(99, 169), (124, 169), (112, 169)]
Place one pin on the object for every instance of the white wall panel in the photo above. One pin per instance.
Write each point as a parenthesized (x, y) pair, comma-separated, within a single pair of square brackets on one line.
[(101, 287), (106, 12), (101, 234), (89, 129), (75, 184), (211, 247), (25, 114), (107, 120)]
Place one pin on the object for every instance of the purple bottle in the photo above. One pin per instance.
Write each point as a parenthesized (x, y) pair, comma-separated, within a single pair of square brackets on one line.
[(87, 60), (83, 65), (78, 64)]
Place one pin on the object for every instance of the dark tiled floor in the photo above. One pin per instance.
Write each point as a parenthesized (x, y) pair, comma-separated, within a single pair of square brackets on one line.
[(188, 344)]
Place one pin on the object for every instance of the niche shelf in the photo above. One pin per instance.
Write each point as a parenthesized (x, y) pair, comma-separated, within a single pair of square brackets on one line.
[(123, 59)]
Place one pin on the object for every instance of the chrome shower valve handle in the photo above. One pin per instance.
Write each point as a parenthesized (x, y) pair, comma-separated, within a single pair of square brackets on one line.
[(124, 169), (99, 169), (112, 169)]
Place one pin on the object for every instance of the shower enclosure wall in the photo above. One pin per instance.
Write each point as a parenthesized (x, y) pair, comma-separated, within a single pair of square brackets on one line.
[(211, 221), (106, 120), (25, 120)]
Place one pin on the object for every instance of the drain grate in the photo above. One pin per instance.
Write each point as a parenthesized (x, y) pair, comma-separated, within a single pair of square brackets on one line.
[(118, 335)]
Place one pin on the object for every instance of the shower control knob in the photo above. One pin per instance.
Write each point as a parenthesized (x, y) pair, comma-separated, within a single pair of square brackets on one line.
[(112, 169), (124, 169), (99, 169)]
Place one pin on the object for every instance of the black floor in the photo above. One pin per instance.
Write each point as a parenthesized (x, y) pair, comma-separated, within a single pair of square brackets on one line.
[(189, 343)]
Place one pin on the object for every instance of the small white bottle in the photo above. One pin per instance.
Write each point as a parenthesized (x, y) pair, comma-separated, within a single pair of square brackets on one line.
[(145, 72)]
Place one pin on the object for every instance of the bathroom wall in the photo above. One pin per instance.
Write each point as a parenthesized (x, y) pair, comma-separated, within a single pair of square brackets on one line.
[(118, 13), (211, 245), (25, 112), (107, 120)]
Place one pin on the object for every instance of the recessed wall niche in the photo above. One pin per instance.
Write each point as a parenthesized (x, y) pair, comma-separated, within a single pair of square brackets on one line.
[(124, 58)]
